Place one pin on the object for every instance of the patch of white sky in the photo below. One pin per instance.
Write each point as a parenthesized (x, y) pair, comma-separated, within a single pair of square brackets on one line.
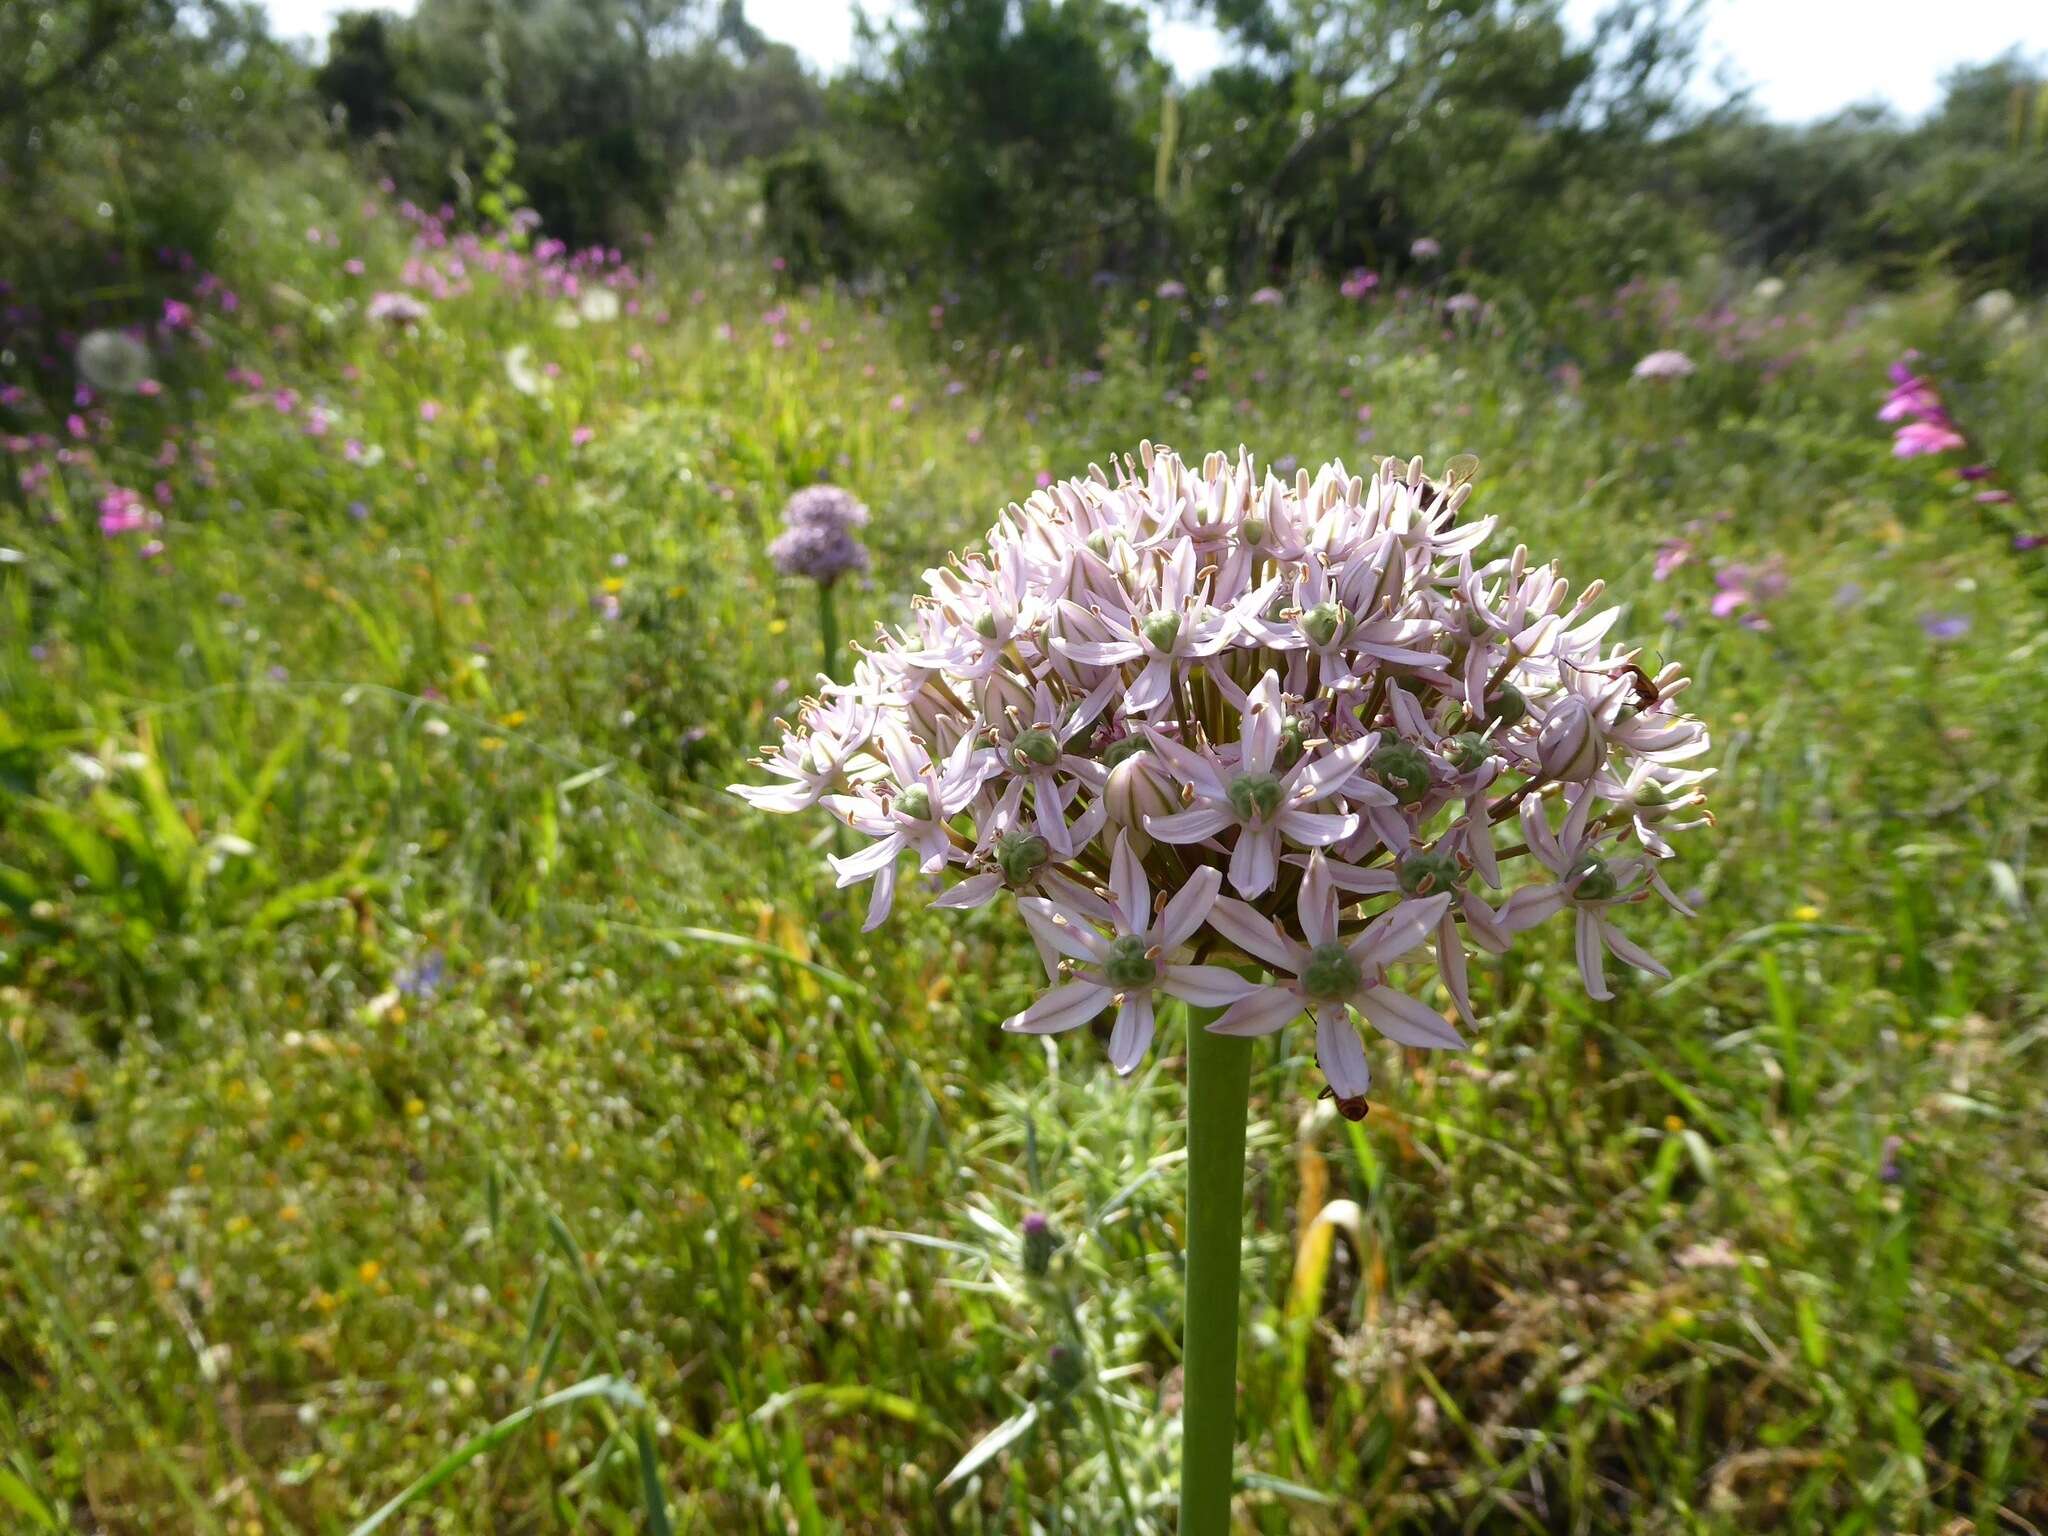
[(1800, 59)]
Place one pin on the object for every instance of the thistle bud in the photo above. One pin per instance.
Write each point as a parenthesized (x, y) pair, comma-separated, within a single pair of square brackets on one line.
[(1064, 1369), (1138, 787), (1039, 1245), (1569, 748)]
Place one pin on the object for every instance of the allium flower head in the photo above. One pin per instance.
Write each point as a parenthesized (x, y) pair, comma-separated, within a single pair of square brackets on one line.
[(400, 309), (1664, 364), (1187, 714), (112, 361), (818, 539), (1426, 248)]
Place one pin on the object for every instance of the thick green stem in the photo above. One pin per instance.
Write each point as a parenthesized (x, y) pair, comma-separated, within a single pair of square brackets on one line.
[(828, 628), (1219, 1095)]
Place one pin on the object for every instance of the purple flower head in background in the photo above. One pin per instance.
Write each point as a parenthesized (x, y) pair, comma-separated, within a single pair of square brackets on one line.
[(1671, 554), (818, 540), (1665, 363), (1172, 290), (395, 309), (1267, 298), (1426, 249), (1944, 626), (1745, 589), (1359, 284)]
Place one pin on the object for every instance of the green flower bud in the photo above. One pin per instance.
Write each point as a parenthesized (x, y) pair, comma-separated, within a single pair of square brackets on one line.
[(1099, 543), (1020, 855), (1121, 748), (1035, 747), (1129, 964), (1293, 739), (1506, 706), (1403, 769), (985, 626), (1162, 628), (1425, 874), (1253, 530), (1331, 975), (1468, 749), (1323, 623), (1596, 881), (915, 802), (1255, 796)]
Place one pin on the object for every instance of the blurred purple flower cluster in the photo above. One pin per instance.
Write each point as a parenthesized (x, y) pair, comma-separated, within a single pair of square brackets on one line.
[(818, 540)]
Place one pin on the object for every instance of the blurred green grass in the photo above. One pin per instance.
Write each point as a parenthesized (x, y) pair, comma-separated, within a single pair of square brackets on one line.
[(402, 1025)]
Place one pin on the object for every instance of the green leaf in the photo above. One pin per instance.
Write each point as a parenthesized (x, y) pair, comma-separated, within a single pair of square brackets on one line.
[(990, 1446), (650, 1481), (482, 1443), (90, 854), (17, 1495)]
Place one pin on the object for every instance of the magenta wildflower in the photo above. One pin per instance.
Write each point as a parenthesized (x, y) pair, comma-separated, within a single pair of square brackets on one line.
[(1745, 589), (122, 511)]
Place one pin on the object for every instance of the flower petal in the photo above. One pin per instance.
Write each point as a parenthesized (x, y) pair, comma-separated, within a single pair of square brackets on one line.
[(1127, 883), (1592, 955), (1626, 949), (1341, 1054), (1261, 1013), (1065, 1006), (1189, 908), (1255, 861), (1132, 1037), (1407, 1021), (1207, 986), (1257, 935)]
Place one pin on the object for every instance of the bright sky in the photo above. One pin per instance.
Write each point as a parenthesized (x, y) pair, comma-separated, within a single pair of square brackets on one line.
[(1805, 58)]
